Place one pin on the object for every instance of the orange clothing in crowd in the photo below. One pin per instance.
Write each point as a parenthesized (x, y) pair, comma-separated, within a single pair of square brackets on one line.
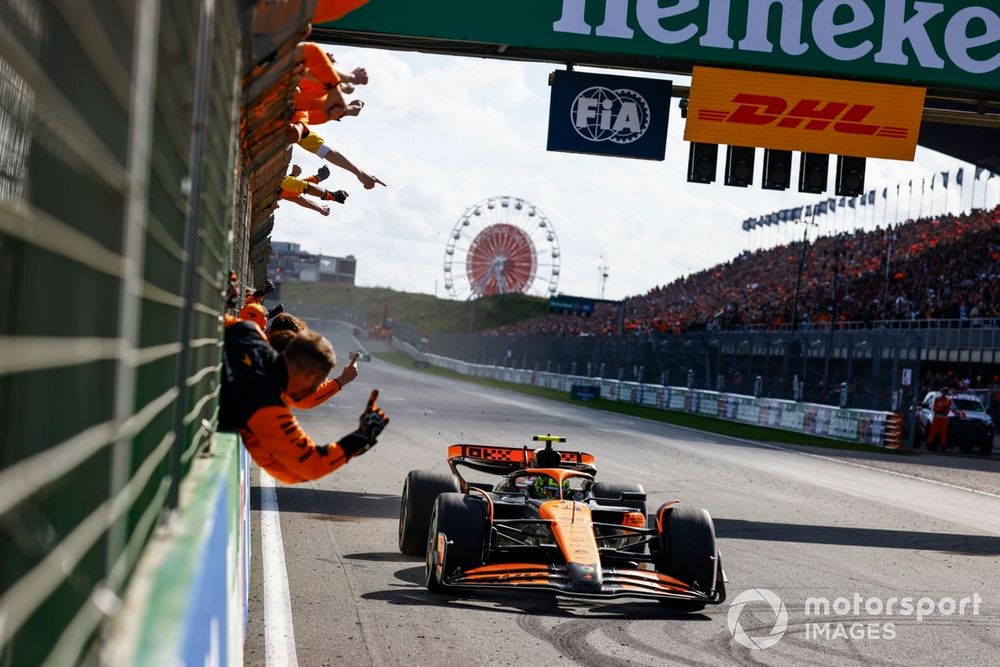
[(254, 312), (318, 66), (315, 109), (326, 391), (252, 402), (331, 10), (292, 187)]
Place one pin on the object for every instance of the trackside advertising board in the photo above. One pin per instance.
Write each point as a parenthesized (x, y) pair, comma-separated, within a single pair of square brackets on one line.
[(863, 426), (800, 113), (915, 42), (617, 116)]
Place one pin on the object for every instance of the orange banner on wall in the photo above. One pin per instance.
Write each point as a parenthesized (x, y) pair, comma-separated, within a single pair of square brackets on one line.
[(802, 113)]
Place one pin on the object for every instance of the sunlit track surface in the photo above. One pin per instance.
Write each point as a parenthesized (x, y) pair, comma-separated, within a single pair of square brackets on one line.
[(799, 526)]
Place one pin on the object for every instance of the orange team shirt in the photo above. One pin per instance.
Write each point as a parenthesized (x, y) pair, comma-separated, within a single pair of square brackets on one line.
[(251, 403), (318, 65), (331, 10), (324, 392), (313, 104)]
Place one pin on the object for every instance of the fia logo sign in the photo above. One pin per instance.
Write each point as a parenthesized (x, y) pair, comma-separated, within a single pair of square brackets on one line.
[(601, 114)]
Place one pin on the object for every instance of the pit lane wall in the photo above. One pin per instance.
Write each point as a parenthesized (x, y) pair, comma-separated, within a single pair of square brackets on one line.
[(188, 600), (857, 426)]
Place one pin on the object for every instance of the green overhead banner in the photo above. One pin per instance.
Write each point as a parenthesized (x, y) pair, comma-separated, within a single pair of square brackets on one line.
[(952, 43)]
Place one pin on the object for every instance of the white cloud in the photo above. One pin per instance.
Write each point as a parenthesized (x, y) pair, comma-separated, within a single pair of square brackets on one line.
[(445, 133)]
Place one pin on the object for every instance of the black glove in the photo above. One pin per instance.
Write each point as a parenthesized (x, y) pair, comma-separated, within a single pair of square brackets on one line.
[(373, 420), (322, 174), (339, 196), (280, 308), (265, 290)]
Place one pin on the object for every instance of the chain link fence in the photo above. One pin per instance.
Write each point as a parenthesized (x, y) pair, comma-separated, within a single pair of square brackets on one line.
[(118, 180)]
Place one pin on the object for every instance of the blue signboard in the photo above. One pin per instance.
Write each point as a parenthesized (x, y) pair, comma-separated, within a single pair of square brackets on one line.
[(584, 392), (620, 116), (571, 305)]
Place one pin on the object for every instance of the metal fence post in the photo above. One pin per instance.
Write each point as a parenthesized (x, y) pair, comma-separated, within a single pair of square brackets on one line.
[(191, 241)]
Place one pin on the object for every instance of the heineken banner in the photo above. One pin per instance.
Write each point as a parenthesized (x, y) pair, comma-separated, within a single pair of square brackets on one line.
[(620, 116), (920, 42)]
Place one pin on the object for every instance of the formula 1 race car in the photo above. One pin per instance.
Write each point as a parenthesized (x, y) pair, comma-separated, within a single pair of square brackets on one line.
[(548, 525)]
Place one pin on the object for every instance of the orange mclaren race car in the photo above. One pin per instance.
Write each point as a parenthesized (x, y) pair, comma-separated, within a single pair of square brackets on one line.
[(548, 525)]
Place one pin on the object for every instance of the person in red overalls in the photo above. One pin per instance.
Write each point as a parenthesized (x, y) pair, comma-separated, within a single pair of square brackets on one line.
[(938, 430)]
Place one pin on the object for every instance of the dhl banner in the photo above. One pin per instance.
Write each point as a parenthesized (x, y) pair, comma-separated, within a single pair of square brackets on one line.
[(799, 113)]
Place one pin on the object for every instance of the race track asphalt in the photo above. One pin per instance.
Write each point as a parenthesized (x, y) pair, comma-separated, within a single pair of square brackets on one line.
[(791, 522)]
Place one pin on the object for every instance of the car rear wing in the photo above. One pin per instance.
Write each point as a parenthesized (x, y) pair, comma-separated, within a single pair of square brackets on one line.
[(504, 460)]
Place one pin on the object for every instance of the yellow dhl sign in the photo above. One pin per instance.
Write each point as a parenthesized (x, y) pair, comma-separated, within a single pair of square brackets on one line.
[(800, 113)]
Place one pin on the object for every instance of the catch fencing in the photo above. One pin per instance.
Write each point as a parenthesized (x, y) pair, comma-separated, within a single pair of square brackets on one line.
[(132, 179)]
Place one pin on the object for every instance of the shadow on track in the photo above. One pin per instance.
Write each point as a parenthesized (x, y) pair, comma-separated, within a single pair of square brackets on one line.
[(971, 545), (332, 505), (385, 557)]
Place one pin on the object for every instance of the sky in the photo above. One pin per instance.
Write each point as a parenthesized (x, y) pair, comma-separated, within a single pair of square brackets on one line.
[(446, 132)]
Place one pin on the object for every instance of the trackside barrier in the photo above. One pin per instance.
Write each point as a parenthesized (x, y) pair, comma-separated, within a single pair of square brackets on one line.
[(859, 426), (188, 601), (894, 431)]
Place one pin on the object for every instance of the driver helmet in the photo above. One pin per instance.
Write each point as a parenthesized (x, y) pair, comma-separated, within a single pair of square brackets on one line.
[(544, 487)]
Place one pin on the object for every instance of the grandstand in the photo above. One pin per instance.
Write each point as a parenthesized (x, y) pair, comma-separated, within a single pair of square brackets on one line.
[(944, 267), (921, 296)]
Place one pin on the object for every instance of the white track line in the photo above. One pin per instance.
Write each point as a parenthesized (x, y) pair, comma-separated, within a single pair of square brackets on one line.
[(279, 635)]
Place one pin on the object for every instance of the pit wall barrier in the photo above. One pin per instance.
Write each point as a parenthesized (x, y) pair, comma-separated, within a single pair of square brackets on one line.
[(857, 426), (188, 601)]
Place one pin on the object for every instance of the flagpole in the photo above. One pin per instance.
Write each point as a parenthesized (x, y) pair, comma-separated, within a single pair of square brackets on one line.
[(909, 203), (896, 217), (923, 186)]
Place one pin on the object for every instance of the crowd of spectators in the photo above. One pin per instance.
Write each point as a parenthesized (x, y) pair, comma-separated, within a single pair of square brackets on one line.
[(944, 267), (272, 362), (321, 97)]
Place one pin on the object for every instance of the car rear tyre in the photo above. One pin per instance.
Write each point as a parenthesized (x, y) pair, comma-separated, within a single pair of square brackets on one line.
[(986, 448), (461, 520), (420, 490), (687, 548)]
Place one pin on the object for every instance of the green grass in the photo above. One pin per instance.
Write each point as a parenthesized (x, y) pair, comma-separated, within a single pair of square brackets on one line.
[(427, 313), (697, 422)]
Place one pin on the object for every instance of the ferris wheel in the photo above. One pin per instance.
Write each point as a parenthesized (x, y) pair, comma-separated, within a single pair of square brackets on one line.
[(502, 245)]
